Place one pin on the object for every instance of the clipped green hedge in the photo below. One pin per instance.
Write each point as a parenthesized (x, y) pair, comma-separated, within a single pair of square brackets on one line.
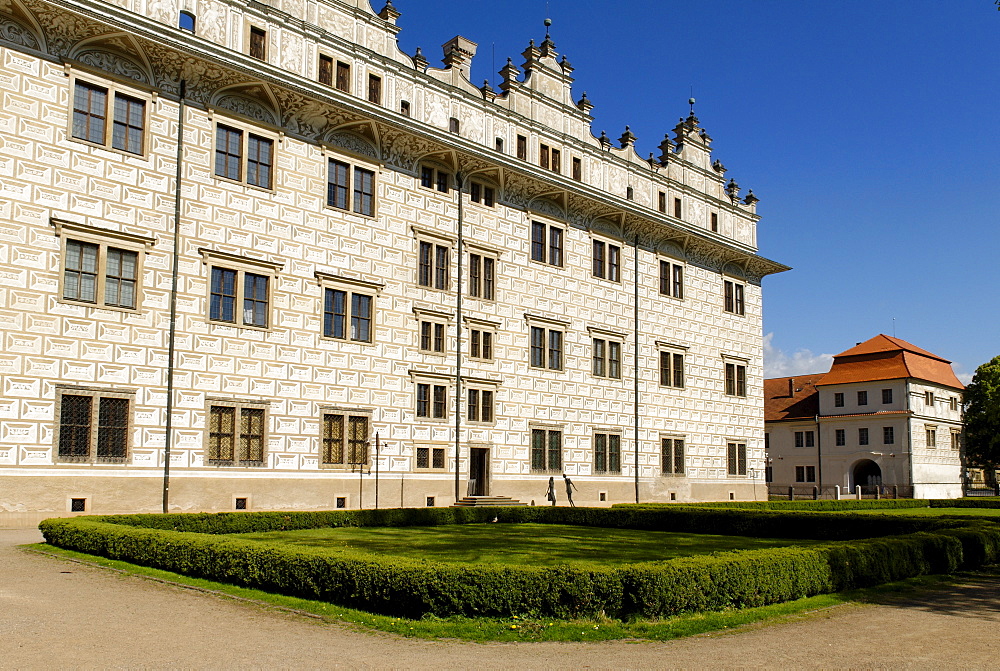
[(970, 502), (814, 505), (197, 545)]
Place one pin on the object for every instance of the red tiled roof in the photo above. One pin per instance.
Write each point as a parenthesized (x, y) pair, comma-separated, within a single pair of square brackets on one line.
[(801, 403), (887, 358), (869, 414)]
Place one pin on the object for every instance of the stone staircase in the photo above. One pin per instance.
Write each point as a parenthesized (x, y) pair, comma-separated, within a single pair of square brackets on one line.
[(491, 501)]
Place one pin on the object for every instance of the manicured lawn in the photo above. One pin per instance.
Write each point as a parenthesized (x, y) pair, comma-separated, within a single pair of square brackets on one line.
[(526, 544)]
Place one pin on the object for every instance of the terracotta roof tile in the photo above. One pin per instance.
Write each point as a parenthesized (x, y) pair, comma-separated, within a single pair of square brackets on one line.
[(887, 358), (801, 403)]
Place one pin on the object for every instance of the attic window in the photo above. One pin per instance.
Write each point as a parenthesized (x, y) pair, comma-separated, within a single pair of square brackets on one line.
[(629, 193), (258, 43), (404, 107), (500, 144), (453, 125), (186, 21)]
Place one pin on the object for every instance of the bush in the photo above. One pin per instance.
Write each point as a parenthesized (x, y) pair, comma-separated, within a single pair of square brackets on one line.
[(818, 505), (971, 502), (196, 545)]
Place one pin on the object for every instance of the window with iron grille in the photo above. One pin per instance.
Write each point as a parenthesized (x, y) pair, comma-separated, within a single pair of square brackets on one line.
[(258, 43), (672, 369), (482, 276), (606, 358), (345, 439), (546, 348), (672, 456), (734, 302), (607, 453), (671, 279), (243, 156), (480, 405), (124, 128), (236, 434), (433, 261), (340, 194), (546, 450), (736, 379), (430, 457), (607, 260), (736, 458), (546, 243), (93, 427)]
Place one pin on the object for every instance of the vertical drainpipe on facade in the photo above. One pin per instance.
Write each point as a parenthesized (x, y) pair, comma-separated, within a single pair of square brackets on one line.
[(458, 341), (172, 336), (909, 440), (635, 363), (819, 457)]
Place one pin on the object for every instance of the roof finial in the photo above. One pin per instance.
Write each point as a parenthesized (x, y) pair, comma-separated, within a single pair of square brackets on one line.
[(691, 103)]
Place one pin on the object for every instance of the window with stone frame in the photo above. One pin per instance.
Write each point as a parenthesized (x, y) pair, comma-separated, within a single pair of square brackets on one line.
[(736, 458), (348, 307), (672, 456), (350, 187), (324, 73), (607, 452), (93, 426), (109, 115), (606, 260), (345, 440), (343, 78), (258, 43), (434, 263), (237, 433), (606, 357), (546, 449), (482, 274), (432, 397), (430, 457), (482, 193), (100, 267), (374, 89), (243, 155), (481, 339), (736, 379), (672, 368), (671, 279), (734, 297), (931, 436), (522, 147), (805, 439), (434, 178), (480, 403), (239, 289), (547, 243), (546, 346), (805, 474)]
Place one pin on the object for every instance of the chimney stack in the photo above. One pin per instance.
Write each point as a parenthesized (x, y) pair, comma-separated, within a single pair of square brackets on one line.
[(791, 387)]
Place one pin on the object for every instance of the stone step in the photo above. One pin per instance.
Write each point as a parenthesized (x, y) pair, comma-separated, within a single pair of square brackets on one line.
[(492, 501)]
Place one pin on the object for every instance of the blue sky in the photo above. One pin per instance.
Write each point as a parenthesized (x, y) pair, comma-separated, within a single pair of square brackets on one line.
[(868, 128)]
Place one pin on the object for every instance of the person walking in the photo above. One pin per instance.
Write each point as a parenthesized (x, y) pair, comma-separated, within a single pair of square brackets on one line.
[(569, 489), (551, 493)]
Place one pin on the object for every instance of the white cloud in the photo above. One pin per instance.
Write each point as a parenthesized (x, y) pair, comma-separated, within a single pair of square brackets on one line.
[(801, 362)]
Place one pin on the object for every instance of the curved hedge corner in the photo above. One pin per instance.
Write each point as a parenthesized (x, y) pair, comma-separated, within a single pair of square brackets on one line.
[(196, 545)]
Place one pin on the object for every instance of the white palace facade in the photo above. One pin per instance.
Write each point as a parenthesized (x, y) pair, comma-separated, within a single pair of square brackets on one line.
[(257, 249)]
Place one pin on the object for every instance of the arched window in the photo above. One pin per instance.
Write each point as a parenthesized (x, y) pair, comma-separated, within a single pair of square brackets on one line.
[(186, 21)]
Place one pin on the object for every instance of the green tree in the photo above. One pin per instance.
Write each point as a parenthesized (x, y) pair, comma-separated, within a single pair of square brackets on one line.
[(982, 416)]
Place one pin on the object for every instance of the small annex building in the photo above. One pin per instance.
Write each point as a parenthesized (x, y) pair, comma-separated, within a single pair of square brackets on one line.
[(886, 417)]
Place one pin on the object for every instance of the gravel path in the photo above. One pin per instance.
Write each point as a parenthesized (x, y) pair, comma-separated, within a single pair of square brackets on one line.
[(58, 614)]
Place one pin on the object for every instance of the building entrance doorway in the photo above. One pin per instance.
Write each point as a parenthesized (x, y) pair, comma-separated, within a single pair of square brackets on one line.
[(867, 473), (479, 471)]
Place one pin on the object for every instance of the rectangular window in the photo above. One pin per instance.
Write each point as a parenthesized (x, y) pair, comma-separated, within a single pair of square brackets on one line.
[(543, 156), (90, 112), (230, 288), (522, 147), (840, 437), (481, 193), (546, 450), (546, 243), (343, 82), (956, 440), (715, 222), (94, 428), (481, 344), (607, 358), (677, 208), (432, 337), (672, 456), (374, 89), (258, 43), (338, 185), (236, 435), (838, 399), (577, 169), (607, 260), (671, 279), (805, 439), (480, 405), (128, 124), (430, 457), (364, 192), (888, 435), (931, 437), (453, 125), (238, 153), (886, 396), (342, 308), (736, 458), (736, 379), (953, 403), (661, 202), (433, 265), (805, 474), (499, 144), (345, 439), (734, 298), (546, 348), (432, 400), (482, 276), (929, 399), (325, 70), (863, 436), (607, 453), (862, 398), (404, 107), (99, 274), (556, 161), (672, 369)]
